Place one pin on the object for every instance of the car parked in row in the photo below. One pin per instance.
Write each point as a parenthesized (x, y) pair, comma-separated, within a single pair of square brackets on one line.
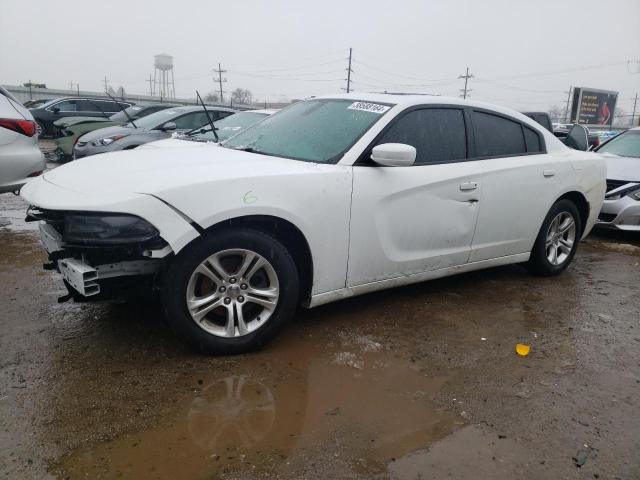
[(621, 208), (331, 197), (69, 129), (224, 129), (45, 115), (156, 126), (20, 157)]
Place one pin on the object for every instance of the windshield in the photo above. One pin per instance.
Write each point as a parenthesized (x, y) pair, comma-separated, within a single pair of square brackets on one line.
[(122, 117), (156, 119), (229, 126), (627, 144), (314, 130)]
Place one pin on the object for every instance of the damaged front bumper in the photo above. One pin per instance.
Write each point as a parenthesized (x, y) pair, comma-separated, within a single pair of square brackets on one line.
[(92, 272)]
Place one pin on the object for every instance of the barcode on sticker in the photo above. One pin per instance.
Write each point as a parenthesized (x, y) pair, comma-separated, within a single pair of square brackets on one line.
[(369, 107)]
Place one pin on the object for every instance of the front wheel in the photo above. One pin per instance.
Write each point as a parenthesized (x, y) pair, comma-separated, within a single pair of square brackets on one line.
[(557, 240), (231, 291)]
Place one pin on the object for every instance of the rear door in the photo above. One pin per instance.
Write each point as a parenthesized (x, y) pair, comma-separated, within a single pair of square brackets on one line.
[(408, 220), (519, 181)]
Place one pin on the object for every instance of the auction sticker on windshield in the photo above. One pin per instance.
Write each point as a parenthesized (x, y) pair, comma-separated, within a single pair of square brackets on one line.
[(369, 107)]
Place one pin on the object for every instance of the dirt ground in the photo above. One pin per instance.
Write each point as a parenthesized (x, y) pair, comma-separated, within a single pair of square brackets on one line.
[(420, 382)]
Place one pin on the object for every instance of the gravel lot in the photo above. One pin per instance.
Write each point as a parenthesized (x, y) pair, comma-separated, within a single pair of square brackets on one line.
[(418, 382)]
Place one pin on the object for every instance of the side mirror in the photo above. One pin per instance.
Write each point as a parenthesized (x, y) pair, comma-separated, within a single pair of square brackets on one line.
[(55, 110), (167, 127), (577, 138), (394, 155)]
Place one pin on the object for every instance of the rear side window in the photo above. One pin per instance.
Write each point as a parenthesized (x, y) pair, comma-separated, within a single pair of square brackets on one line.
[(497, 136), (532, 139), (438, 134)]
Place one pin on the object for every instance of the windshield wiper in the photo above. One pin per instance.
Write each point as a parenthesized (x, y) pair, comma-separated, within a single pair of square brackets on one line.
[(123, 110), (206, 112)]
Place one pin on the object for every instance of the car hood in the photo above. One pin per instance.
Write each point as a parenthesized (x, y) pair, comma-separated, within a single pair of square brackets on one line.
[(68, 121), (175, 143), (158, 170), (109, 131), (622, 168)]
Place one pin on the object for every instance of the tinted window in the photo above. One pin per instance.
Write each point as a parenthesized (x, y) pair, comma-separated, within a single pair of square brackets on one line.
[(108, 106), (496, 136), (88, 106), (191, 120), (67, 106), (532, 140), (438, 134)]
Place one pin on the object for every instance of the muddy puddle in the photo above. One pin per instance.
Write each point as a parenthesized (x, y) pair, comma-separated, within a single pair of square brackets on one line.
[(271, 410)]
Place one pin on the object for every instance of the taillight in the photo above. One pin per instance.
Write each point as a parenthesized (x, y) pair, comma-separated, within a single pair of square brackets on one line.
[(25, 127), (596, 142)]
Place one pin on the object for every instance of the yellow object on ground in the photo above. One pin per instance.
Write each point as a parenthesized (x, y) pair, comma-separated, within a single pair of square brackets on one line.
[(522, 349)]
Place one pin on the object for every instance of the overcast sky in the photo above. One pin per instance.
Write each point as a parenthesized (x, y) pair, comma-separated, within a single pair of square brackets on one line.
[(523, 54)]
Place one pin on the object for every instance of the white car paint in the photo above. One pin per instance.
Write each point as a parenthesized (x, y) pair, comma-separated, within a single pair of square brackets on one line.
[(367, 228), (20, 156)]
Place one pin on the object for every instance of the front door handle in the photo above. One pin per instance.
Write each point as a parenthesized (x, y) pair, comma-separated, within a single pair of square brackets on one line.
[(468, 186), (548, 172)]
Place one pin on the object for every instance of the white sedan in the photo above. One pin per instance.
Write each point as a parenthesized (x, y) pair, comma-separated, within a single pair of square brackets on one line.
[(331, 197)]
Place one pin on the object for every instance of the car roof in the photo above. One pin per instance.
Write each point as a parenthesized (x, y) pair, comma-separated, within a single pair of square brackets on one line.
[(266, 111), (410, 100), (193, 108)]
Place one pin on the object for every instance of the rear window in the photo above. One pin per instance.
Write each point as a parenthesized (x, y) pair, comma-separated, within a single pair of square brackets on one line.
[(497, 136)]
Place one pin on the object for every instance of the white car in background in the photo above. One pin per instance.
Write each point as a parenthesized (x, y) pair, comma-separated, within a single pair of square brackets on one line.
[(225, 128), (20, 157), (331, 197), (621, 208)]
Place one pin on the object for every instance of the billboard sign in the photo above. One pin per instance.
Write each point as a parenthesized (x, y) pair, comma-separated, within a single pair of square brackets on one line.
[(593, 108)]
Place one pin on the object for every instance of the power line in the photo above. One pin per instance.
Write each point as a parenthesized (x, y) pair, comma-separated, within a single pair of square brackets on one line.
[(465, 91), (220, 80), (349, 71)]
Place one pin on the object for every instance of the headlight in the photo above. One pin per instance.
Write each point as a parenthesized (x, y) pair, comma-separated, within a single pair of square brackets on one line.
[(106, 229), (107, 140)]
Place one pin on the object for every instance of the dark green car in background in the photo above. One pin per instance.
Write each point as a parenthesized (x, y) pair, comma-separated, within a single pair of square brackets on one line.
[(69, 129)]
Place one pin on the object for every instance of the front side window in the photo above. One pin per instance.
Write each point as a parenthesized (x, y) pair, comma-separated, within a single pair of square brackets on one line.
[(438, 134), (67, 106), (319, 130), (497, 136), (627, 144)]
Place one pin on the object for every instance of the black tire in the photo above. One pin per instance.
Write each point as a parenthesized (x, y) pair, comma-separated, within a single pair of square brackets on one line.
[(177, 278), (42, 130), (539, 262)]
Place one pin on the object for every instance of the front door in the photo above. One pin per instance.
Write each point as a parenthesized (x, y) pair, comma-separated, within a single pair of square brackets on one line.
[(408, 220)]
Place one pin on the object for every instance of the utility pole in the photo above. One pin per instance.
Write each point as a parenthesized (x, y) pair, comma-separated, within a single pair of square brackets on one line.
[(71, 84), (349, 71), (566, 108), (150, 85), (465, 91), (106, 84), (30, 91), (633, 115), (220, 80)]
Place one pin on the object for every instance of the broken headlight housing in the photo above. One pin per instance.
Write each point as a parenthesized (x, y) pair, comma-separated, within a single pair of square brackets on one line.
[(106, 229)]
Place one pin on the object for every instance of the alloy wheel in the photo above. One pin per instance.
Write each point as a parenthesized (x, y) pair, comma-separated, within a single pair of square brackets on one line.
[(560, 238), (232, 293)]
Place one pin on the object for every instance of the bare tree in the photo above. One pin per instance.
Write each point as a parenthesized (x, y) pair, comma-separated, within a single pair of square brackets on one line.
[(211, 97), (241, 96), (556, 113)]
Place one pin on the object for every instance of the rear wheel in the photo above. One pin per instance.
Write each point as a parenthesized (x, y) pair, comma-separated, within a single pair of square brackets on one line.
[(557, 240), (231, 292), (42, 131)]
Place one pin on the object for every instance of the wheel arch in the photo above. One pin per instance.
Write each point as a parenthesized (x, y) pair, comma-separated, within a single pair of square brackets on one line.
[(581, 203), (286, 233)]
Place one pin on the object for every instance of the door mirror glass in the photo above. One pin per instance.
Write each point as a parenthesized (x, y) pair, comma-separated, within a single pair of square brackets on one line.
[(168, 127), (55, 109), (577, 138), (394, 155)]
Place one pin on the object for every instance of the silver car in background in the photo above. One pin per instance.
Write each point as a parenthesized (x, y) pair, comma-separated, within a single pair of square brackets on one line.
[(621, 207), (20, 157), (157, 126)]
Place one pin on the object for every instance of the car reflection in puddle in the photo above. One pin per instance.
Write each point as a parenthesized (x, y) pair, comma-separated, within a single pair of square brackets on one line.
[(236, 411)]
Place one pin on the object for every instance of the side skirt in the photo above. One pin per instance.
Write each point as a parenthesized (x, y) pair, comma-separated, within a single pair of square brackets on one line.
[(332, 296)]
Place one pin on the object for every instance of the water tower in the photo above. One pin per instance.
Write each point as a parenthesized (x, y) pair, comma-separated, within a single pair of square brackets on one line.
[(163, 86)]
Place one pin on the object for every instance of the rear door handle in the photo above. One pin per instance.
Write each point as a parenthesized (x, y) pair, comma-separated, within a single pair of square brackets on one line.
[(468, 186), (548, 173)]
